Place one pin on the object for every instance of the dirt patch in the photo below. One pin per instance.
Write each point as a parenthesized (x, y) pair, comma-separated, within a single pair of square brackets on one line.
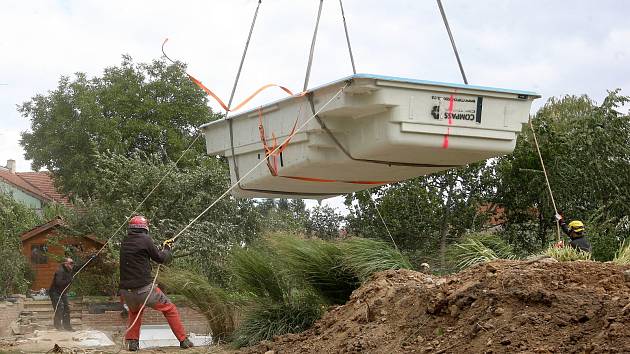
[(504, 306)]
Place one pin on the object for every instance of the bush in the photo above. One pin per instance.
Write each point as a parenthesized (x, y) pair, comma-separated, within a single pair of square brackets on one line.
[(319, 264), (567, 254), (365, 257), (479, 248), (268, 318)]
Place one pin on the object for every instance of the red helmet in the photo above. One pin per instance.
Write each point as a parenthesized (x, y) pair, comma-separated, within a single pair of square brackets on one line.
[(139, 222)]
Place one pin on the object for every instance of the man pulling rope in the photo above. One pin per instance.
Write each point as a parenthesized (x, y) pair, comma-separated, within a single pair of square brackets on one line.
[(136, 251)]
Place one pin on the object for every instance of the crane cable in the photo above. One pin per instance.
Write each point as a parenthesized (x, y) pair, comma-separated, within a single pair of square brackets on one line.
[(450, 35)]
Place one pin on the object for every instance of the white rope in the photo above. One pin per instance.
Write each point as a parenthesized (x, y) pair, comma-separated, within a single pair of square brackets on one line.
[(383, 221)]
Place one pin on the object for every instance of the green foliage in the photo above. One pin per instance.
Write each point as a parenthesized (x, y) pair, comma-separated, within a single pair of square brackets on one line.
[(324, 222), (479, 248), (256, 272), (153, 108), (318, 263), (367, 256), (123, 182), (213, 302), (269, 319), (15, 218), (567, 254), (587, 156), (427, 213)]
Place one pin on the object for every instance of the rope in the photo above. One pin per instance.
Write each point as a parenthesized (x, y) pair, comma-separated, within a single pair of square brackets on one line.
[(542, 163), (125, 222), (450, 35), (383, 221), (345, 27), (310, 57)]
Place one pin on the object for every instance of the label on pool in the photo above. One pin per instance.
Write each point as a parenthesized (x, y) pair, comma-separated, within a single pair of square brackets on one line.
[(465, 108)]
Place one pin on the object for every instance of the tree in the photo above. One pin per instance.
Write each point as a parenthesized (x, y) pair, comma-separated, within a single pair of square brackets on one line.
[(427, 213), (324, 222), (586, 149), (15, 218), (123, 182), (153, 108)]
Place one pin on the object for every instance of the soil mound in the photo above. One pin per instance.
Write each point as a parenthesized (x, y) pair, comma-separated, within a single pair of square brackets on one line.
[(504, 306)]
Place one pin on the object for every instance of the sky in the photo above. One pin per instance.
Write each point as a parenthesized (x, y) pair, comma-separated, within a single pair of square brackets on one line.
[(550, 47)]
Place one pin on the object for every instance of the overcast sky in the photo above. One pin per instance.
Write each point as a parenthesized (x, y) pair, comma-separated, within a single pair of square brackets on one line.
[(551, 47)]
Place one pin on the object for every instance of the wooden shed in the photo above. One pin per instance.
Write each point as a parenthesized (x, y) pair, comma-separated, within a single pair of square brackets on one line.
[(45, 244)]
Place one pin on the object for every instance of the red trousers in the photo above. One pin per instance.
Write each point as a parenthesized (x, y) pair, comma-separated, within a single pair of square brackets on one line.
[(161, 304)]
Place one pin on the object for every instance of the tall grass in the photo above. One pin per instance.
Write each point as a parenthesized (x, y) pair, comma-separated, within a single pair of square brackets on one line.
[(319, 264), (256, 272), (213, 302), (567, 254), (622, 256), (479, 248), (267, 319), (365, 257), (284, 284)]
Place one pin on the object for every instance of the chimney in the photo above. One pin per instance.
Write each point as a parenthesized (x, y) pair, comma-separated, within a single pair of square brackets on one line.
[(11, 166)]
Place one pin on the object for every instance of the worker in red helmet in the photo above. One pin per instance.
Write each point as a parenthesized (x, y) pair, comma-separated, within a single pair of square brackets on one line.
[(136, 251)]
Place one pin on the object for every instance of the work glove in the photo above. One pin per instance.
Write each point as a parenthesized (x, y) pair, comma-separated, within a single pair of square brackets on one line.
[(558, 217), (168, 244)]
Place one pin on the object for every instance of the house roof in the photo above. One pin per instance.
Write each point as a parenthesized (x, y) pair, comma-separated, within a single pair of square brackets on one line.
[(37, 184), (49, 225)]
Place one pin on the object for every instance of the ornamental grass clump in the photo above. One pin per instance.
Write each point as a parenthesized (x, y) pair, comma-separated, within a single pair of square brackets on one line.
[(622, 257), (567, 254), (319, 264), (479, 248), (269, 318), (365, 257), (213, 302)]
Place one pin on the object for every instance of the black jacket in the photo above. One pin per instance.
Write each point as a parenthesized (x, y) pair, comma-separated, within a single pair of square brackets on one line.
[(135, 251), (61, 279), (580, 242)]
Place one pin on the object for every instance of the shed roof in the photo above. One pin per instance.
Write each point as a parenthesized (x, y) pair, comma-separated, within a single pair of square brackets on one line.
[(49, 225)]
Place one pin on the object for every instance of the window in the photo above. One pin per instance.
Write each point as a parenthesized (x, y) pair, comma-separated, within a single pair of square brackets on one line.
[(39, 254)]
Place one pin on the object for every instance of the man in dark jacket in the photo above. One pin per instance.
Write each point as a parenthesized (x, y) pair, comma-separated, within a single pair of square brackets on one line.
[(136, 251), (575, 231), (59, 297)]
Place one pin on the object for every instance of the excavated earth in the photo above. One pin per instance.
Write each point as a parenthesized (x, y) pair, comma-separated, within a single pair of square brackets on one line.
[(500, 307)]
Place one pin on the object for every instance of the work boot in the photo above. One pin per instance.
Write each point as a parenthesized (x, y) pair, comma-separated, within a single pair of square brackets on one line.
[(133, 345), (68, 329), (186, 343)]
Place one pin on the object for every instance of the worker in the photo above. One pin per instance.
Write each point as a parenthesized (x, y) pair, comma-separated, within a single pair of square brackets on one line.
[(575, 231), (136, 282), (58, 293)]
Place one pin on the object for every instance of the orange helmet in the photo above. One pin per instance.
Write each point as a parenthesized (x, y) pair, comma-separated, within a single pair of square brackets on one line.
[(139, 222)]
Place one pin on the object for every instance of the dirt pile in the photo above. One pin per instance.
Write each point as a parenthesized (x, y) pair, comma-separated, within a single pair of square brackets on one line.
[(498, 307)]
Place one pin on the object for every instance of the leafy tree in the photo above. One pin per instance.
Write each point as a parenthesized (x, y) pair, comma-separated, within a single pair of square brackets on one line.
[(15, 218), (427, 213), (153, 108), (586, 151), (324, 222), (123, 182)]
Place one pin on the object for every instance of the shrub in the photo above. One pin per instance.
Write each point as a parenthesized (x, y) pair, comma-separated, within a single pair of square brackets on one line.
[(367, 256), (479, 248), (567, 254)]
